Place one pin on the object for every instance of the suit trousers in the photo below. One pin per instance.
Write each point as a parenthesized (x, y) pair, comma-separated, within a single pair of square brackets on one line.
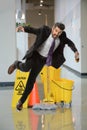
[(34, 65)]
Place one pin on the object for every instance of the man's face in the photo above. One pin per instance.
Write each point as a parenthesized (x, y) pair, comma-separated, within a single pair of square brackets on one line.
[(56, 32)]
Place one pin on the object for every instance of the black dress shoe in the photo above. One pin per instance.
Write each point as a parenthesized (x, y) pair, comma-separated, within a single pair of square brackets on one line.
[(19, 106)]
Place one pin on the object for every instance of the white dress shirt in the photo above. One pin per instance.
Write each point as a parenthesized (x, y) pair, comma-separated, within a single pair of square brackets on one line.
[(44, 48)]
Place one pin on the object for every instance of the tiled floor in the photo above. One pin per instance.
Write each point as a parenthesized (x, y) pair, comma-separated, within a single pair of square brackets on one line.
[(74, 118)]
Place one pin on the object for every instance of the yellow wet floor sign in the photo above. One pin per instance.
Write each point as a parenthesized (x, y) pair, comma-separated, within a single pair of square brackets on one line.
[(19, 87)]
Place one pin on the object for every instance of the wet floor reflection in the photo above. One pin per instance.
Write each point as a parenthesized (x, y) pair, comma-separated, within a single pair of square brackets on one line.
[(29, 119)]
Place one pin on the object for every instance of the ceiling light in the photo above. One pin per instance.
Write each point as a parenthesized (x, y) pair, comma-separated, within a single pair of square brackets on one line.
[(41, 1), (41, 4), (39, 13)]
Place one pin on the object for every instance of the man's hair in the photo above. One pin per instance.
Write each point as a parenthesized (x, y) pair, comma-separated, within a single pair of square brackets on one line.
[(59, 25)]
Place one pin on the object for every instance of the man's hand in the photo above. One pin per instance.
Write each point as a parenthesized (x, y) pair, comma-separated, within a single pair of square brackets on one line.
[(77, 56), (19, 28)]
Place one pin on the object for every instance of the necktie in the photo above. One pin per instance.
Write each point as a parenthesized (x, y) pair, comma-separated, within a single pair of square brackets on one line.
[(49, 57)]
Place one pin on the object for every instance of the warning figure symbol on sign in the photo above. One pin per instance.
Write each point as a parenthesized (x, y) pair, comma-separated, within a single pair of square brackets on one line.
[(20, 88)]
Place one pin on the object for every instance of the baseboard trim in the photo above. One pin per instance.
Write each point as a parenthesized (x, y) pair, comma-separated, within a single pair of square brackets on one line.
[(4, 84), (75, 72)]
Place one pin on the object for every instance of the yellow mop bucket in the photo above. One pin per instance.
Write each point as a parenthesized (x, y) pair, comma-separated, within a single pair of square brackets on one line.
[(53, 73), (63, 90)]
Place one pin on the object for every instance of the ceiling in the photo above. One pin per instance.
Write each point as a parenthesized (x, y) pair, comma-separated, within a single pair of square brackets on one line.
[(36, 4), (38, 1)]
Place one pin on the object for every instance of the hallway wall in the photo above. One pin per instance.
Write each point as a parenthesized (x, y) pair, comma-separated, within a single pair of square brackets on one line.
[(7, 38), (69, 12)]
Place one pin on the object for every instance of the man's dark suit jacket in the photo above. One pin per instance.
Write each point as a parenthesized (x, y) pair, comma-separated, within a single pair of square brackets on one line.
[(42, 34)]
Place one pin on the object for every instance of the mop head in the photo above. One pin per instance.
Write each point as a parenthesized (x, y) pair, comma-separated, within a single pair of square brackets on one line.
[(44, 106)]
